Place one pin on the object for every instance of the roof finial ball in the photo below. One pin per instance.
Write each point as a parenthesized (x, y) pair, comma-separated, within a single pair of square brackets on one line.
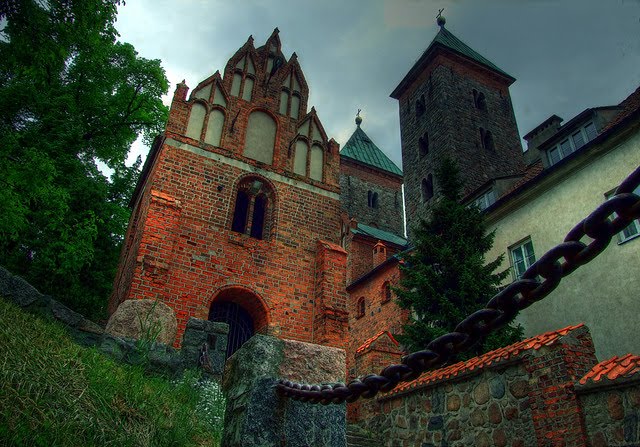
[(440, 18), (358, 118)]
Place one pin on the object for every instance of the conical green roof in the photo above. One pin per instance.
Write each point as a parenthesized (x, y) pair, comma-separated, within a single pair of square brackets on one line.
[(361, 149), (446, 39)]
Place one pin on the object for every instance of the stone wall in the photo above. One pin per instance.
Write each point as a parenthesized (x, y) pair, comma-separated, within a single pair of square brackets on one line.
[(203, 346), (492, 408), (548, 390)]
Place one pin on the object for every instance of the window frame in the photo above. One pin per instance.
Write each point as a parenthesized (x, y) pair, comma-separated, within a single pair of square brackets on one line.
[(386, 292), (253, 188), (361, 307), (635, 224), (572, 146), (528, 260)]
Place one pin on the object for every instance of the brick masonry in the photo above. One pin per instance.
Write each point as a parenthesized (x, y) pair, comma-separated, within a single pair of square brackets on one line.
[(180, 247)]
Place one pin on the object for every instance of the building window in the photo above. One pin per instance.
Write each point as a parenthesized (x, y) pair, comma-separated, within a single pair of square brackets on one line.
[(427, 188), (360, 308), (572, 143), (423, 144), (420, 107), (290, 96), (386, 292), (485, 200), (307, 160), (243, 78), (522, 256), (633, 229), (479, 100), (372, 199), (253, 208), (486, 139)]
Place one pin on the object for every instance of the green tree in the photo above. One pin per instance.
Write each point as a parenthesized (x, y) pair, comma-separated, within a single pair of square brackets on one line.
[(72, 98), (445, 277)]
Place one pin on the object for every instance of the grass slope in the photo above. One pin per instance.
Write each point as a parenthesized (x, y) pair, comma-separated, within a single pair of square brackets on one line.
[(56, 393)]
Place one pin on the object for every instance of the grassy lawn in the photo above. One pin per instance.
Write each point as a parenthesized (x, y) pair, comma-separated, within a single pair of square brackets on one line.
[(56, 393)]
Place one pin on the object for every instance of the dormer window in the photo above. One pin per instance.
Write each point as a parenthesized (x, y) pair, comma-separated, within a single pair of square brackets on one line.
[(290, 96), (572, 143), (485, 200), (243, 79)]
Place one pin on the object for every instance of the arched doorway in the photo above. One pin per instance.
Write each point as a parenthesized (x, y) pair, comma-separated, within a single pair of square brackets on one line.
[(243, 311)]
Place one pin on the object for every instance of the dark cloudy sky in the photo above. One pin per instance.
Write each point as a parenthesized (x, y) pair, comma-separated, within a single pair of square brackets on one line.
[(566, 55)]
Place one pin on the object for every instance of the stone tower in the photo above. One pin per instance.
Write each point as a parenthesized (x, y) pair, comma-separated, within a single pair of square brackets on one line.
[(237, 217), (456, 103), (370, 184)]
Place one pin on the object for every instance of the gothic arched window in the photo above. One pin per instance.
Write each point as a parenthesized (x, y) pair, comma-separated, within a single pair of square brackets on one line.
[(253, 211), (423, 144), (360, 308), (372, 199), (386, 292), (261, 137), (427, 188), (290, 96), (243, 78), (308, 159), (215, 124)]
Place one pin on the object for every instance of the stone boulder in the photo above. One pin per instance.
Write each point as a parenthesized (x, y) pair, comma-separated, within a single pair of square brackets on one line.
[(144, 319)]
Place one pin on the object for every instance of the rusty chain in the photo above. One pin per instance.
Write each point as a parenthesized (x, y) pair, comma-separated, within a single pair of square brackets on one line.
[(538, 281)]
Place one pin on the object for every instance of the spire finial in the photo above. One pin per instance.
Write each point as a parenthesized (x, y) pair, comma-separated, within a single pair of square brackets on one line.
[(440, 20), (358, 118)]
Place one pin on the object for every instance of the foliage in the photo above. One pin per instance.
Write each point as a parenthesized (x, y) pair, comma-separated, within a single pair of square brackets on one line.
[(72, 99), (150, 329), (56, 393), (445, 277)]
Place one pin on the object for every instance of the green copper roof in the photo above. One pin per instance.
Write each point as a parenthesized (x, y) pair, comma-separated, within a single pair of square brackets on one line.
[(360, 148), (447, 39), (380, 234)]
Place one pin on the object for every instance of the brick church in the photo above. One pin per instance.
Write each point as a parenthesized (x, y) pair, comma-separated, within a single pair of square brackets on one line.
[(247, 212)]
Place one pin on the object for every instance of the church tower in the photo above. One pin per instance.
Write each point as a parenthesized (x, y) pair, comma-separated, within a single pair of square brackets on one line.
[(237, 217), (455, 103)]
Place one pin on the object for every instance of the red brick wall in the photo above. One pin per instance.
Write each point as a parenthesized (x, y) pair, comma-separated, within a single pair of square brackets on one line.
[(183, 252), (379, 315)]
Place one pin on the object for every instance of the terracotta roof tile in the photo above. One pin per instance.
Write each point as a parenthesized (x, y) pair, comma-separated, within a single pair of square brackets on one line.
[(369, 341), (613, 368), (486, 359), (630, 105), (531, 172)]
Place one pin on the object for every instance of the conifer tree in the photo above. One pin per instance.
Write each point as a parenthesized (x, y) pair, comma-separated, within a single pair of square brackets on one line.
[(445, 277)]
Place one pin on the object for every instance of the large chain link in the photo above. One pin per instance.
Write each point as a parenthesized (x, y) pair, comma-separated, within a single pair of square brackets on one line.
[(537, 282)]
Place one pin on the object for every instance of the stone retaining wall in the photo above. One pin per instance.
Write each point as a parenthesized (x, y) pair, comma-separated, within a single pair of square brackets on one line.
[(204, 343)]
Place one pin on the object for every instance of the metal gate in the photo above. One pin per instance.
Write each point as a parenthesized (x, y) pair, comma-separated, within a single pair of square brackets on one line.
[(239, 321)]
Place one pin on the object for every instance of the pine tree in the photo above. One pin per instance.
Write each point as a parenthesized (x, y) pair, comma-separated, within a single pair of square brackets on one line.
[(445, 277)]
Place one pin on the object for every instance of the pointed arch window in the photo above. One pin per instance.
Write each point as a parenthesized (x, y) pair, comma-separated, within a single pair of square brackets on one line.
[(386, 292), (486, 139), (215, 123), (427, 188), (479, 100), (290, 96), (372, 199), (243, 78), (253, 211), (361, 307), (308, 159), (423, 144)]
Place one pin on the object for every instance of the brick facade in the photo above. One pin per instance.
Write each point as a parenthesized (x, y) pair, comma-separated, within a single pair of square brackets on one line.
[(180, 245)]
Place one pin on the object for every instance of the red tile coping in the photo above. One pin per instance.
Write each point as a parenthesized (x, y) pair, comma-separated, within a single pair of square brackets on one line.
[(531, 172), (486, 359), (369, 341), (612, 369)]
